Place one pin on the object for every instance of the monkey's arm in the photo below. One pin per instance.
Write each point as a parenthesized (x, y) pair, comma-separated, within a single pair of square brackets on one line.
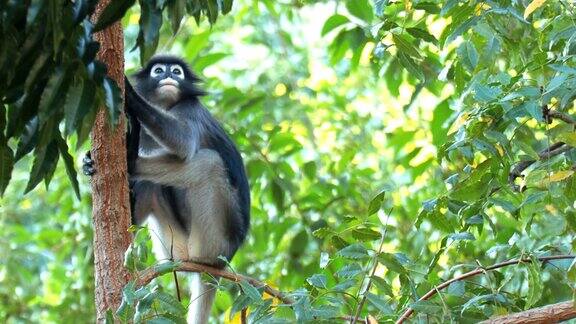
[(172, 171), (132, 143), (166, 129)]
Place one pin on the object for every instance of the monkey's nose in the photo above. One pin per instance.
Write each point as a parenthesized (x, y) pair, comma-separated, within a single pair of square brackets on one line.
[(168, 81)]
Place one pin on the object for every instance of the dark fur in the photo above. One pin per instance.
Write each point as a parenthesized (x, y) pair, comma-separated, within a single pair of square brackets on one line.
[(212, 136)]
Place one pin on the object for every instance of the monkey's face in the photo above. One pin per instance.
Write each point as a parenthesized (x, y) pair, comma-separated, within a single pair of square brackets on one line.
[(167, 80)]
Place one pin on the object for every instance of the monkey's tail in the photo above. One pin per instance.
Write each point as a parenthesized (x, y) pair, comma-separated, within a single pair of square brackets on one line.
[(201, 299)]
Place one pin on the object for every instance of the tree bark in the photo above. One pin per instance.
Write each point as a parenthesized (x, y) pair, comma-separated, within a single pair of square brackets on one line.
[(110, 198), (547, 314)]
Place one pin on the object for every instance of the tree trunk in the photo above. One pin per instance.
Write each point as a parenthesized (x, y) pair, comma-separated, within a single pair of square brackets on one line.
[(111, 206)]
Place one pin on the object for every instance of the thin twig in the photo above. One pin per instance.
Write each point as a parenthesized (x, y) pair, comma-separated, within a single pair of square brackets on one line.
[(172, 259), (243, 316), (177, 286), (363, 300), (475, 272)]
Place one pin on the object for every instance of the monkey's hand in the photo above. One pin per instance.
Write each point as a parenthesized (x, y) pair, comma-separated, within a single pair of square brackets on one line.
[(88, 165)]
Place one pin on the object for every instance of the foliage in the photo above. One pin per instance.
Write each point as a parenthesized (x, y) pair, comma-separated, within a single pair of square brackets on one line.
[(378, 136), (51, 75)]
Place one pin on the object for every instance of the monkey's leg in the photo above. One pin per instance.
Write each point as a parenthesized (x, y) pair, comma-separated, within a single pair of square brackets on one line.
[(168, 237), (201, 299), (213, 206), (141, 200)]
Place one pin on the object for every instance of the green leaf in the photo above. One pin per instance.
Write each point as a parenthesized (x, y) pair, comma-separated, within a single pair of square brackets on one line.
[(150, 23), (6, 155), (226, 6), (203, 62), (571, 274), (568, 138), (439, 125), (68, 164), (379, 303), (410, 65), (486, 93), (462, 236), (176, 12), (344, 285), (333, 22), (483, 299), (391, 262), (53, 93), (422, 34), (459, 30), (200, 42), (168, 302), (429, 7), (299, 244), (376, 202), (457, 288), (361, 9), (556, 82), (349, 271), (250, 291), (535, 285), (468, 55), (241, 302), (318, 281), (112, 13), (277, 194), (212, 8), (405, 46), (535, 4), (80, 99), (433, 211), (166, 267), (354, 251), (533, 109), (381, 284), (113, 99), (109, 317), (45, 159), (28, 139), (426, 307), (365, 234), (379, 6), (37, 70)]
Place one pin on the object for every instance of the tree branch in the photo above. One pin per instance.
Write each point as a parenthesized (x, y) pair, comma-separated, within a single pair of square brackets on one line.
[(408, 312), (546, 154), (546, 314), (548, 114), (144, 277)]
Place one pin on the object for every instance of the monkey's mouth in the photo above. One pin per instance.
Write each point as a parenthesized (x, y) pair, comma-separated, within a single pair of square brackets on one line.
[(168, 82), (169, 87)]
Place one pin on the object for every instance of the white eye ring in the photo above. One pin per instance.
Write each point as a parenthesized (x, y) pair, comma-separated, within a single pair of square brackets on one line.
[(157, 69), (177, 71)]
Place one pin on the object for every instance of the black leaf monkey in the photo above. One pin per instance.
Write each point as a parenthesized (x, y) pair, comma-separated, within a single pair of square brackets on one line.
[(187, 177)]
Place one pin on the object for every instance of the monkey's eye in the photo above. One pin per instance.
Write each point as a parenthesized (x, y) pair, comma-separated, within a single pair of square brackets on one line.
[(157, 70), (177, 71)]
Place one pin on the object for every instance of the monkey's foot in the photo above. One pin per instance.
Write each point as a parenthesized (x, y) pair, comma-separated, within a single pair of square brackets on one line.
[(88, 165)]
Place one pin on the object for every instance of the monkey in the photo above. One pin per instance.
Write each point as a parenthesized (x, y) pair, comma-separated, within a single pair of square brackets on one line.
[(187, 177)]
